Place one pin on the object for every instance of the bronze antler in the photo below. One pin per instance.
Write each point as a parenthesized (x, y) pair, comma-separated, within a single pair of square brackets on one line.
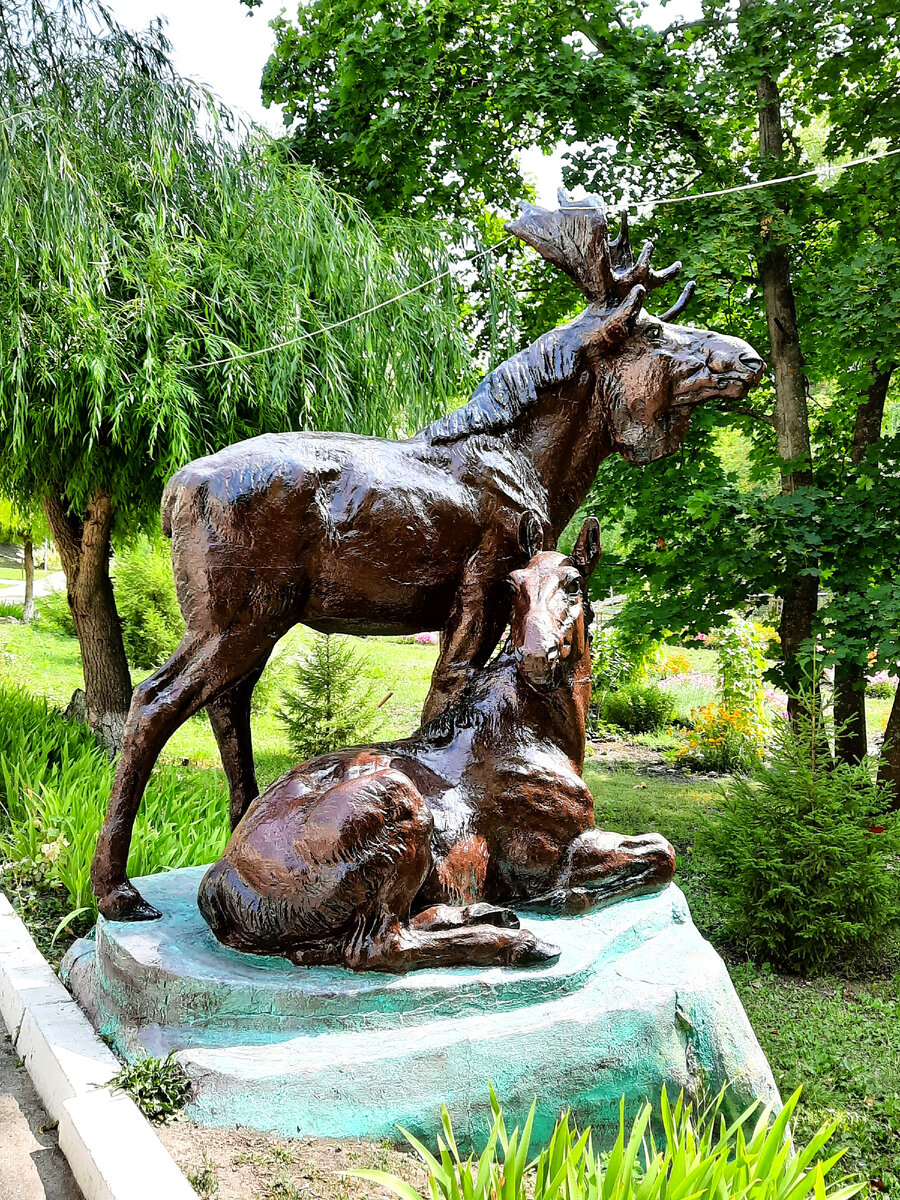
[(576, 239)]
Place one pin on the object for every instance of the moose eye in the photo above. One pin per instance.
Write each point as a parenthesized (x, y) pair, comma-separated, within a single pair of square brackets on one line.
[(654, 333)]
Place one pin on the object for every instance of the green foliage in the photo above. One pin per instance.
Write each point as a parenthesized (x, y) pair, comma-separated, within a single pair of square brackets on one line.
[(617, 660), (704, 1157), (840, 1038), (152, 625), (720, 739), (55, 613), (740, 666), (434, 99), (803, 855), (331, 702), (54, 785), (639, 706), (144, 235), (881, 688), (160, 1087), (11, 611)]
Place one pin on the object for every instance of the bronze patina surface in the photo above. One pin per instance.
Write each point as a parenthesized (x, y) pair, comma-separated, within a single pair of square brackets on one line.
[(484, 807), (366, 535)]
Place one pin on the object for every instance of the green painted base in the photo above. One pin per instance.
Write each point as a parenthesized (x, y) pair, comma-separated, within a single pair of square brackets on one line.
[(637, 999)]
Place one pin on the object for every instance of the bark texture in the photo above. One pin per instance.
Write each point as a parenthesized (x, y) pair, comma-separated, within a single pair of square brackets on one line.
[(800, 591), (851, 742), (851, 737), (84, 548)]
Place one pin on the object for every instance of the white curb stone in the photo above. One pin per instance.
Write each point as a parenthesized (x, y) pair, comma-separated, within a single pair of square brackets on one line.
[(112, 1149)]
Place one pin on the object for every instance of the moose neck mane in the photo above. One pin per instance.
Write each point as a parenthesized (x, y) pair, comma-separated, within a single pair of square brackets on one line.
[(498, 695)]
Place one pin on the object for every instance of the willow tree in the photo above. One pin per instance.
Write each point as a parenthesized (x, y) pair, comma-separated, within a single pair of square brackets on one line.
[(151, 255)]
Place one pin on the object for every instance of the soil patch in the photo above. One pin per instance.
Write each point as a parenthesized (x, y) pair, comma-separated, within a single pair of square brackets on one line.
[(614, 754), (242, 1164)]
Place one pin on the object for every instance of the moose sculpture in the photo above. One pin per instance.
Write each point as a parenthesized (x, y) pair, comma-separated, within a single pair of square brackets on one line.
[(482, 808), (365, 535)]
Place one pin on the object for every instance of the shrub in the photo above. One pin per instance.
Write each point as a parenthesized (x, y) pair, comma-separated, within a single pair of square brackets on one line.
[(804, 855), (703, 1158), (54, 784), (722, 739), (152, 625), (638, 707), (880, 687), (54, 613), (12, 612), (331, 701)]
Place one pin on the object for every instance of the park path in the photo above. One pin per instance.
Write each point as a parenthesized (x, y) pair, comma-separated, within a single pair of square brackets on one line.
[(14, 593), (32, 1166)]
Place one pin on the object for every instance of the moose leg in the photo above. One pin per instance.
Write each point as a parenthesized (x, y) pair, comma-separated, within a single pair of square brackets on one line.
[(476, 621), (197, 672), (229, 715), (404, 949), (600, 867), (447, 916)]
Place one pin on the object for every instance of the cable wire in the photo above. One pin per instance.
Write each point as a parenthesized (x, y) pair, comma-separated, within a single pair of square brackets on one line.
[(744, 187)]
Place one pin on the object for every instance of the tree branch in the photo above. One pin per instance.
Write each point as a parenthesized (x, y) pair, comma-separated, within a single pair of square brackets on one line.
[(743, 411)]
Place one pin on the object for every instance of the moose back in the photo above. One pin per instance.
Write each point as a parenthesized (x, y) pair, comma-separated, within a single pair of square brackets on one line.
[(367, 535)]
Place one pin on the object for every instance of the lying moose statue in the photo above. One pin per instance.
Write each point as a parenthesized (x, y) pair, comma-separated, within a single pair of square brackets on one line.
[(484, 807), (366, 535)]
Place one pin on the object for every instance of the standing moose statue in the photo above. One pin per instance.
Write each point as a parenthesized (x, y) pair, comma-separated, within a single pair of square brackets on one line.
[(363, 535)]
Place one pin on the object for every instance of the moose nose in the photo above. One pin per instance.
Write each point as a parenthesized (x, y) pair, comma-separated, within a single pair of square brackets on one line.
[(536, 667), (753, 364)]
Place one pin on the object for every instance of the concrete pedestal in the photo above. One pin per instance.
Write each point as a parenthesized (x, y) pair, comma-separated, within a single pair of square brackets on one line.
[(637, 999)]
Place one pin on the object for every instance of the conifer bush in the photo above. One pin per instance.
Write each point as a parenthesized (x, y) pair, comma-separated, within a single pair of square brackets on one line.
[(330, 702), (805, 854)]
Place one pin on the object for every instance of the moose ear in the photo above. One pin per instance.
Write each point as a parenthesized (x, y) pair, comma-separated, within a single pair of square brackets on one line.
[(586, 553), (531, 534)]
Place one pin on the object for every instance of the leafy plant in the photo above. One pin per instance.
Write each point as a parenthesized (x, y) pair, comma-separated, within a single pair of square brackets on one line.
[(740, 666), (160, 1087), (152, 625), (704, 1158), (638, 707), (331, 701), (804, 854), (54, 783), (674, 663), (722, 739), (881, 686), (11, 611)]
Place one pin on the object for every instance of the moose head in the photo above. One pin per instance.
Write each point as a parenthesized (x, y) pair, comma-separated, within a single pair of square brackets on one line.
[(551, 610), (653, 372)]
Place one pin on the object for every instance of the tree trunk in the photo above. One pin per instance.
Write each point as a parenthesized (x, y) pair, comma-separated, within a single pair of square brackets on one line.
[(889, 763), (850, 735), (799, 591), (84, 548), (28, 606), (851, 744)]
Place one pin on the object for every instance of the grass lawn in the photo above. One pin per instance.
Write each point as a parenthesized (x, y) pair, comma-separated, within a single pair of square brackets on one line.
[(838, 1036), (17, 575)]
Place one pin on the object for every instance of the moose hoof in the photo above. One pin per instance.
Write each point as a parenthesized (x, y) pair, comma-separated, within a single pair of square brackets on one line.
[(529, 951), (125, 903), (491, 914)]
